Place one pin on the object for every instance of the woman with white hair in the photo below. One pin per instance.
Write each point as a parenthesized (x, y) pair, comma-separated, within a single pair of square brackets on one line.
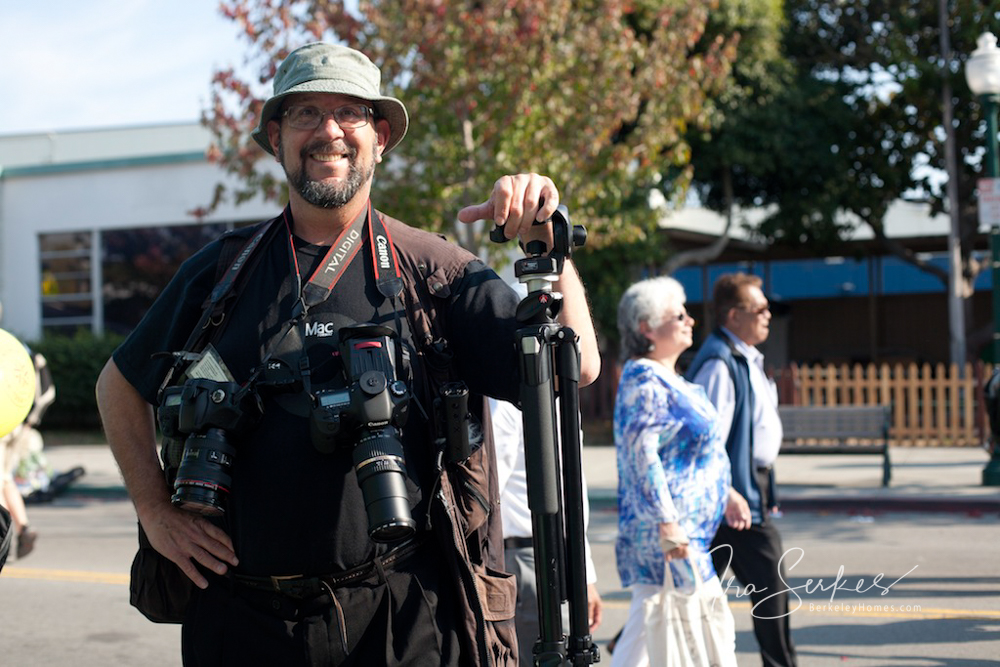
[(673, 471)]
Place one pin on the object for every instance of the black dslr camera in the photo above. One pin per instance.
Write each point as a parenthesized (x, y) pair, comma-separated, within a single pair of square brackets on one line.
[(203, 413), (370, 413)]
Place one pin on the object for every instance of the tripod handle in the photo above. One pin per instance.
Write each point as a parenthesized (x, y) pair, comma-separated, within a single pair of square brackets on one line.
[(497, 235)]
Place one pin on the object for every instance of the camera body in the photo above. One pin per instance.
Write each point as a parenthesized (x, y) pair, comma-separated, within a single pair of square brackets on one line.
[(369, 413), (203, 413)]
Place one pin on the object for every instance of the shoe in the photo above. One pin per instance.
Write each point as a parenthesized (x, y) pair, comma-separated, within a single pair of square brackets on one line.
[(25, 542), (614, 641)]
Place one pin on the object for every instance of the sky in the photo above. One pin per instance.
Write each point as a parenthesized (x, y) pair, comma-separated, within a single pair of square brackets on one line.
[(71, 65)]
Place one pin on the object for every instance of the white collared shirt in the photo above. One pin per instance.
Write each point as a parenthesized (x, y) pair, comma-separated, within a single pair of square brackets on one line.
[(767, 432), (508, 437)]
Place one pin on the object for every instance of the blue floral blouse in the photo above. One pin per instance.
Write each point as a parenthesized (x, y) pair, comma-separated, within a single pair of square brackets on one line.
[(672, 466)]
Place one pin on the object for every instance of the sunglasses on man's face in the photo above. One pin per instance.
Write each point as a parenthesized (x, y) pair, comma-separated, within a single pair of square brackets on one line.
[(756, 311)]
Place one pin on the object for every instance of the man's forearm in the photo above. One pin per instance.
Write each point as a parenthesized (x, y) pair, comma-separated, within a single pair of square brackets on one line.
[(575, 314), (129, 428)]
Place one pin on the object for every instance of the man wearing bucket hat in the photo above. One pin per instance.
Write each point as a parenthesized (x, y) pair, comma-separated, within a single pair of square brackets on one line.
[(292, 571)]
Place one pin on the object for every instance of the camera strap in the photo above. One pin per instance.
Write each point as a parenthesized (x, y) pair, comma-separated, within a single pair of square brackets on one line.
[(320, 284), (342, 252), (214, 309)]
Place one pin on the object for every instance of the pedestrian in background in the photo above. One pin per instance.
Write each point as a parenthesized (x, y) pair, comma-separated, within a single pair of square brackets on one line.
[(731, 369), (673, 472), (16, 445)]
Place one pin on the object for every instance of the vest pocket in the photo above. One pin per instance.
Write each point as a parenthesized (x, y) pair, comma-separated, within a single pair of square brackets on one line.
[(472, 491)]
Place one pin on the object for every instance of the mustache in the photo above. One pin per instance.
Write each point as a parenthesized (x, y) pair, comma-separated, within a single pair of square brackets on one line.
[(336, 147)]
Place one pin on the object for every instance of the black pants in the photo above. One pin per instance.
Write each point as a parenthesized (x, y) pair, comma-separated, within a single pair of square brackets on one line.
[(754, 555), (402, 616)]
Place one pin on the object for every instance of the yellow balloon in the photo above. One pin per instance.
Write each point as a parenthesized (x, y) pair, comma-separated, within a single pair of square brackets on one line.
[(17, 382)]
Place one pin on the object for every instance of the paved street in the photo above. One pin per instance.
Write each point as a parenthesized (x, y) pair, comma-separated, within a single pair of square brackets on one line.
[(945, 612), (67, 603)]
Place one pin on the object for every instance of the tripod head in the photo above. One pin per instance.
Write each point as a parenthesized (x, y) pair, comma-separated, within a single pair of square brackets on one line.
[(541, 266)]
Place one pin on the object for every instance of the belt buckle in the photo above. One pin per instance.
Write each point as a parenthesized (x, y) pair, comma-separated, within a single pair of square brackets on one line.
[(277, 580)]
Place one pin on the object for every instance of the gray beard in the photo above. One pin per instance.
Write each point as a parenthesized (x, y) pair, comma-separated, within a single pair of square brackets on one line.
[(323, 194)]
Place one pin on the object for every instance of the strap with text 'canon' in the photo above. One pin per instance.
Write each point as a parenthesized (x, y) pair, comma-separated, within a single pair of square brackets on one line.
[(387, 276), (386, 265), (317, 289)]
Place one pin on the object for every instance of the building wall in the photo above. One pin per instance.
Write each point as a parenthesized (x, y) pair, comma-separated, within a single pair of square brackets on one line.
[(42, 195), (904, 327)]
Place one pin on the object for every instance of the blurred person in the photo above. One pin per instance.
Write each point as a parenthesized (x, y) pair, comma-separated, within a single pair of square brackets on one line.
[(15, 446), (673, 473), (731, 369), (6, 536), (519, 554), (12, 500)]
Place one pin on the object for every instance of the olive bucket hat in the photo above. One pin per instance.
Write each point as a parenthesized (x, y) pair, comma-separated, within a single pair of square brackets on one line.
[(331, 68)]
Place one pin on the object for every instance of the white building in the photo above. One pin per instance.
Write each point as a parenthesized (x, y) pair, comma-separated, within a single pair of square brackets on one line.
[(77, 212)]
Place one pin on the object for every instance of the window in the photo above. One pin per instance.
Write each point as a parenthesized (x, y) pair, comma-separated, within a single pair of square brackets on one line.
[(138, 263), (67, 290), (130, 267)]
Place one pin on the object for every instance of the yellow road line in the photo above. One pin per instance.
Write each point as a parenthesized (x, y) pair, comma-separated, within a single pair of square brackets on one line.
[(916, 611), (862, 609), (64, 575), (856, 609)]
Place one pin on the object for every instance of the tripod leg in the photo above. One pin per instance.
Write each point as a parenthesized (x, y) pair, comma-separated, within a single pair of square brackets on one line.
[(581, 649), (538, 411)]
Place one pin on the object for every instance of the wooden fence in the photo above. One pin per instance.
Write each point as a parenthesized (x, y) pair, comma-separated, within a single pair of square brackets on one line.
[(931, 404)]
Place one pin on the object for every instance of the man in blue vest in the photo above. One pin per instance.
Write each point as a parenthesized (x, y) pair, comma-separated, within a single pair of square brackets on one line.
[(731, 369)]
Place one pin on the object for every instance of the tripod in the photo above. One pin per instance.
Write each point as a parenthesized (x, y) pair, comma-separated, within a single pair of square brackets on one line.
[(550, 368)]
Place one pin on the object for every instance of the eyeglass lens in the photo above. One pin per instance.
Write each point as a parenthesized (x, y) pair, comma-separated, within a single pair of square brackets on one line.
[(349, 116)]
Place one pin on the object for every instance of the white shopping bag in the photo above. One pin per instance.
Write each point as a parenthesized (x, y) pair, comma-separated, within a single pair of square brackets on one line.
[(690, 629)]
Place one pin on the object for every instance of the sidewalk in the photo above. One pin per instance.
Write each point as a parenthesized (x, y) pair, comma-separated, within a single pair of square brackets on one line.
[(923, 478)]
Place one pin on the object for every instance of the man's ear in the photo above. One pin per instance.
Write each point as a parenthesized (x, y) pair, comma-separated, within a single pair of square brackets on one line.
[(274, 137), (382, 131)]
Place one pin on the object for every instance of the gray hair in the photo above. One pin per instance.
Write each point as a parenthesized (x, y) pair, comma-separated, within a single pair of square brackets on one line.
[(645, 301)]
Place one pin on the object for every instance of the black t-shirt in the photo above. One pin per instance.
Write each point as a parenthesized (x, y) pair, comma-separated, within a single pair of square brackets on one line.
[(293, 509)]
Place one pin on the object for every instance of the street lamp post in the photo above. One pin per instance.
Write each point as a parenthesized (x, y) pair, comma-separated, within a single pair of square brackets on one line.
[(982, 72)]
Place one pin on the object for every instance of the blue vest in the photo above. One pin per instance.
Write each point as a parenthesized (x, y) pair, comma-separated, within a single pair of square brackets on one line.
[(740, 443)]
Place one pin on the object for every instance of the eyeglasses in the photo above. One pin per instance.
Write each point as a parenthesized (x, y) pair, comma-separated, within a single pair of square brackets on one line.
[(757, 311), (679, 317), (348, 117)]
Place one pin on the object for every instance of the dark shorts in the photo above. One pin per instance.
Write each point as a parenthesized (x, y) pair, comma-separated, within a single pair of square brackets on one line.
[(402, 614)]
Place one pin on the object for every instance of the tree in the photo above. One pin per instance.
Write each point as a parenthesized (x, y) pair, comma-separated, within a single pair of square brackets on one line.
[(596, 94), (741, 142), (859, 124)]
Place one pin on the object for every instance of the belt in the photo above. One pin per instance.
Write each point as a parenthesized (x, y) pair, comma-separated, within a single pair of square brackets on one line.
[(517, 543), (304, 587)]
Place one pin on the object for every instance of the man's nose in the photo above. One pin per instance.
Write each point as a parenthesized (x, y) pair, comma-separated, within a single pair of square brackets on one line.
[(329, 127)]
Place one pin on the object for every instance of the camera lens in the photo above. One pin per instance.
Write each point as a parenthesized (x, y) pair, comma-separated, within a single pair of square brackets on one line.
[(204, 476), (381, 472)]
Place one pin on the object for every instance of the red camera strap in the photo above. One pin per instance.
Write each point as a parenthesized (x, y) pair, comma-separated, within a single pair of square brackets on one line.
[(343, 251)]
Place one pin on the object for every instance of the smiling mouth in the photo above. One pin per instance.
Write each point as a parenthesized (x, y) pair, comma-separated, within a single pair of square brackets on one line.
[(328, 157), (330, 152)]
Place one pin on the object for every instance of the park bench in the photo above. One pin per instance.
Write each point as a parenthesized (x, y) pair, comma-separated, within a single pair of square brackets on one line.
[(837, 429)]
